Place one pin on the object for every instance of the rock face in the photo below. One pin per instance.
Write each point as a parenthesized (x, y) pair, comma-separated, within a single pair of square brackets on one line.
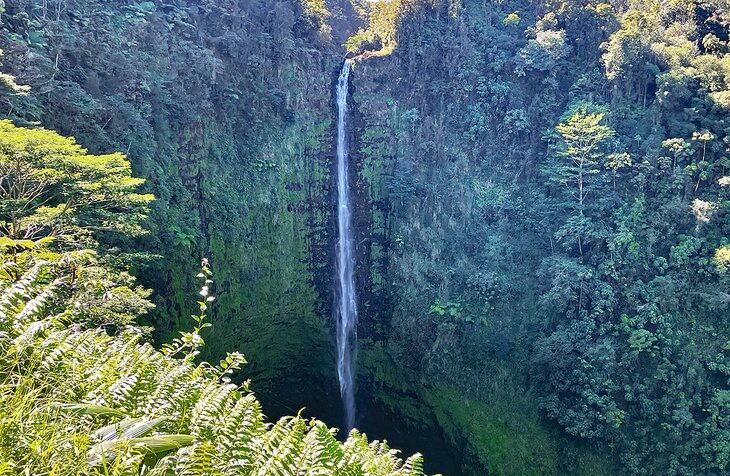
[(447, 154), (227, 108)]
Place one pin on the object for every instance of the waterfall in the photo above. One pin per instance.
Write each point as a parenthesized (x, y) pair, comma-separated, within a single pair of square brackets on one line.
[(347, 303)]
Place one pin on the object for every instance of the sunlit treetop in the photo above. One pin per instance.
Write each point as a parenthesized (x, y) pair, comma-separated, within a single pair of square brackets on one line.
[(50, 186)]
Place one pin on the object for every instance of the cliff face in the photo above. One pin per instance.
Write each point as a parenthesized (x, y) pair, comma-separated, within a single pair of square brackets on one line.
[(523, 317), (445, 327), (227, 109)]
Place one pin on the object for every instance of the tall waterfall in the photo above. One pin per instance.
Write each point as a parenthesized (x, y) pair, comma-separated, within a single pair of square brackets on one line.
[(347, 303)]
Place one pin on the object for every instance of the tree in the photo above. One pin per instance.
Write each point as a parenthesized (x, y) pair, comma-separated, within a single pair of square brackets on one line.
[(583, 138), (577, 162), (543, 52), (615, 162), (50, 186)]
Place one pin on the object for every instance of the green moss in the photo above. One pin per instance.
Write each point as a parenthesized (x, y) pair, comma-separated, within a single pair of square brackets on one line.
[(503, 437), (267, 301), (389, 384), (502, 442)]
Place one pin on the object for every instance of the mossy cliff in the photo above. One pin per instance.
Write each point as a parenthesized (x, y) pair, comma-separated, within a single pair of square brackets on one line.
[(227, 108), (426, 310), (547, 314)]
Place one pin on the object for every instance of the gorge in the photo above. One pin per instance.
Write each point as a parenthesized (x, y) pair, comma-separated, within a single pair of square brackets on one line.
[(513, 213)]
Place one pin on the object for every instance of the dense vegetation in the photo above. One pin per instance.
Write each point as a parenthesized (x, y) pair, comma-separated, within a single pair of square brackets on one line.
[(542, 189), (219, 105), (78, 397), (555, 220)]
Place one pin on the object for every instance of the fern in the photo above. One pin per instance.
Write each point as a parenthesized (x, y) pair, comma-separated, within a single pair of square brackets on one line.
[(75, 401), (413, 465), (323, 453)]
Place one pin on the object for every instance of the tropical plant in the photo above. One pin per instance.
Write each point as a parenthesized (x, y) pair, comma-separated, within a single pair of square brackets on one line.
[(51, 186), (75, 401)]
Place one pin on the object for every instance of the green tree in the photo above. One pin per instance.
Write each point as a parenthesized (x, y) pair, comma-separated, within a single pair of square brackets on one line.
[(582, 148), (578, 161), (50, 186), (615, 162)]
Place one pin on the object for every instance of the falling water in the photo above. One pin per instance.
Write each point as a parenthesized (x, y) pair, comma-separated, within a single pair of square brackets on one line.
[(347, 305)]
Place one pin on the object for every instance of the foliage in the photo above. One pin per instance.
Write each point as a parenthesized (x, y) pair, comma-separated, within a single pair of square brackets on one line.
[(318, 12), (81, 392), (55, 195), (607, 317), (221, 107), (380, 35), (83, 402), (581, 158), (51, 187), (577, 155)]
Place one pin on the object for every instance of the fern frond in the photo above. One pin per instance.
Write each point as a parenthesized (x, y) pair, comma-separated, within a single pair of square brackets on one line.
[(215, 402), (413, 466), (322, 452), (280, 448), (174, 417)]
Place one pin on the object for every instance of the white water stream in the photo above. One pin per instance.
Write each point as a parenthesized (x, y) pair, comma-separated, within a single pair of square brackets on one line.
[(347, 303)]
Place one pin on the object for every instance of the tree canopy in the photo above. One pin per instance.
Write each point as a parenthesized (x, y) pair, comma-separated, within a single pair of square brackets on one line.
[(50, 186)]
